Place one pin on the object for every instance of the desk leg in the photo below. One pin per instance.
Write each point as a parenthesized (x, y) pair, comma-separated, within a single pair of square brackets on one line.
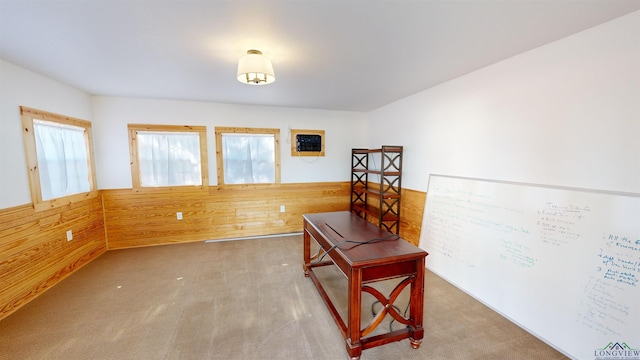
[(354, 314), (306, 251), (417, 306)]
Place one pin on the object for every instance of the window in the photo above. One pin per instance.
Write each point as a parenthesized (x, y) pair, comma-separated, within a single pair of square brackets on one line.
[(59, 158), (168, 155), (248, 155)]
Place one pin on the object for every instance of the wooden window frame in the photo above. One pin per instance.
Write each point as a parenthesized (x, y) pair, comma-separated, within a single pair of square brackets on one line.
[(135, 166), (247, 130), (28, 115)]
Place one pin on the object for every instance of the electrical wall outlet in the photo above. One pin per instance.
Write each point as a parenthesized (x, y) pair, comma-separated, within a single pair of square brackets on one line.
[(69, 235), (281, 208), (179, 215)]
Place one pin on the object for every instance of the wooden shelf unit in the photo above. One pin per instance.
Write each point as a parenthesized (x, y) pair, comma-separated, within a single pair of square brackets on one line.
[(376, 185)]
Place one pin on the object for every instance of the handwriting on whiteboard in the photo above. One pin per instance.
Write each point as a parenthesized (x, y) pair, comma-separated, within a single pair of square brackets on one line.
[(564, 263), (620, 260), (558, 223), (617, 268)]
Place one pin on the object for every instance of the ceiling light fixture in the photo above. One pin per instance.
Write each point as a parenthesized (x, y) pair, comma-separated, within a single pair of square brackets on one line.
[(255, 69)]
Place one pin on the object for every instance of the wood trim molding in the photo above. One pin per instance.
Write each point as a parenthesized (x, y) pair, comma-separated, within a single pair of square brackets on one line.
[(133, 130), (219, 130), (28, 115)]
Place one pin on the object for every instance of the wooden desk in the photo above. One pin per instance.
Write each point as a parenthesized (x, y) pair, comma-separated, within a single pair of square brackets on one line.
[(364, 264)]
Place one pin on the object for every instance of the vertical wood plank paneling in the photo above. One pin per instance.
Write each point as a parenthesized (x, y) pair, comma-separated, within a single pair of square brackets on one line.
[(34, 252)]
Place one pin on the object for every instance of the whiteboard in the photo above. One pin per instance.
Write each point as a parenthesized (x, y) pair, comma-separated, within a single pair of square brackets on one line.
[(562, 263)]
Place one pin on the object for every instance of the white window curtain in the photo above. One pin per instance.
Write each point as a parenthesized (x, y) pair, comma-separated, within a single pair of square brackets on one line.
[(169, 158), (248, 158), (62, 159)]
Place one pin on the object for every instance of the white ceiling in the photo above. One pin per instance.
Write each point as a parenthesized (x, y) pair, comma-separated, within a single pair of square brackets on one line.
[(339, 55)]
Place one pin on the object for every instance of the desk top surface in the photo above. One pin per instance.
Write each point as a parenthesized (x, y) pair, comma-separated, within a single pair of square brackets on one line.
[(350, 231)]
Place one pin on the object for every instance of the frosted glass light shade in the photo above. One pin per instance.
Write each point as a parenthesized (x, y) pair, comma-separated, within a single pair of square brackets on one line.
[(255, 69)]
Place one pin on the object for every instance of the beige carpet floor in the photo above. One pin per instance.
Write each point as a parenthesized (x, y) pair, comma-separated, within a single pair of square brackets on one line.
[(232, 300)]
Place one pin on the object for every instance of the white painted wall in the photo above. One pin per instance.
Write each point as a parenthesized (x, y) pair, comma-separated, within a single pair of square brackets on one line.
[(110, 116), (343, 130), (20, 87), (567, 113)]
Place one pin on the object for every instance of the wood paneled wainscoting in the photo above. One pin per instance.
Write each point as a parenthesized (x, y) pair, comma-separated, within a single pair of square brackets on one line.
[(135, 219), (35, 253), (411, 211), (147, 218)]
